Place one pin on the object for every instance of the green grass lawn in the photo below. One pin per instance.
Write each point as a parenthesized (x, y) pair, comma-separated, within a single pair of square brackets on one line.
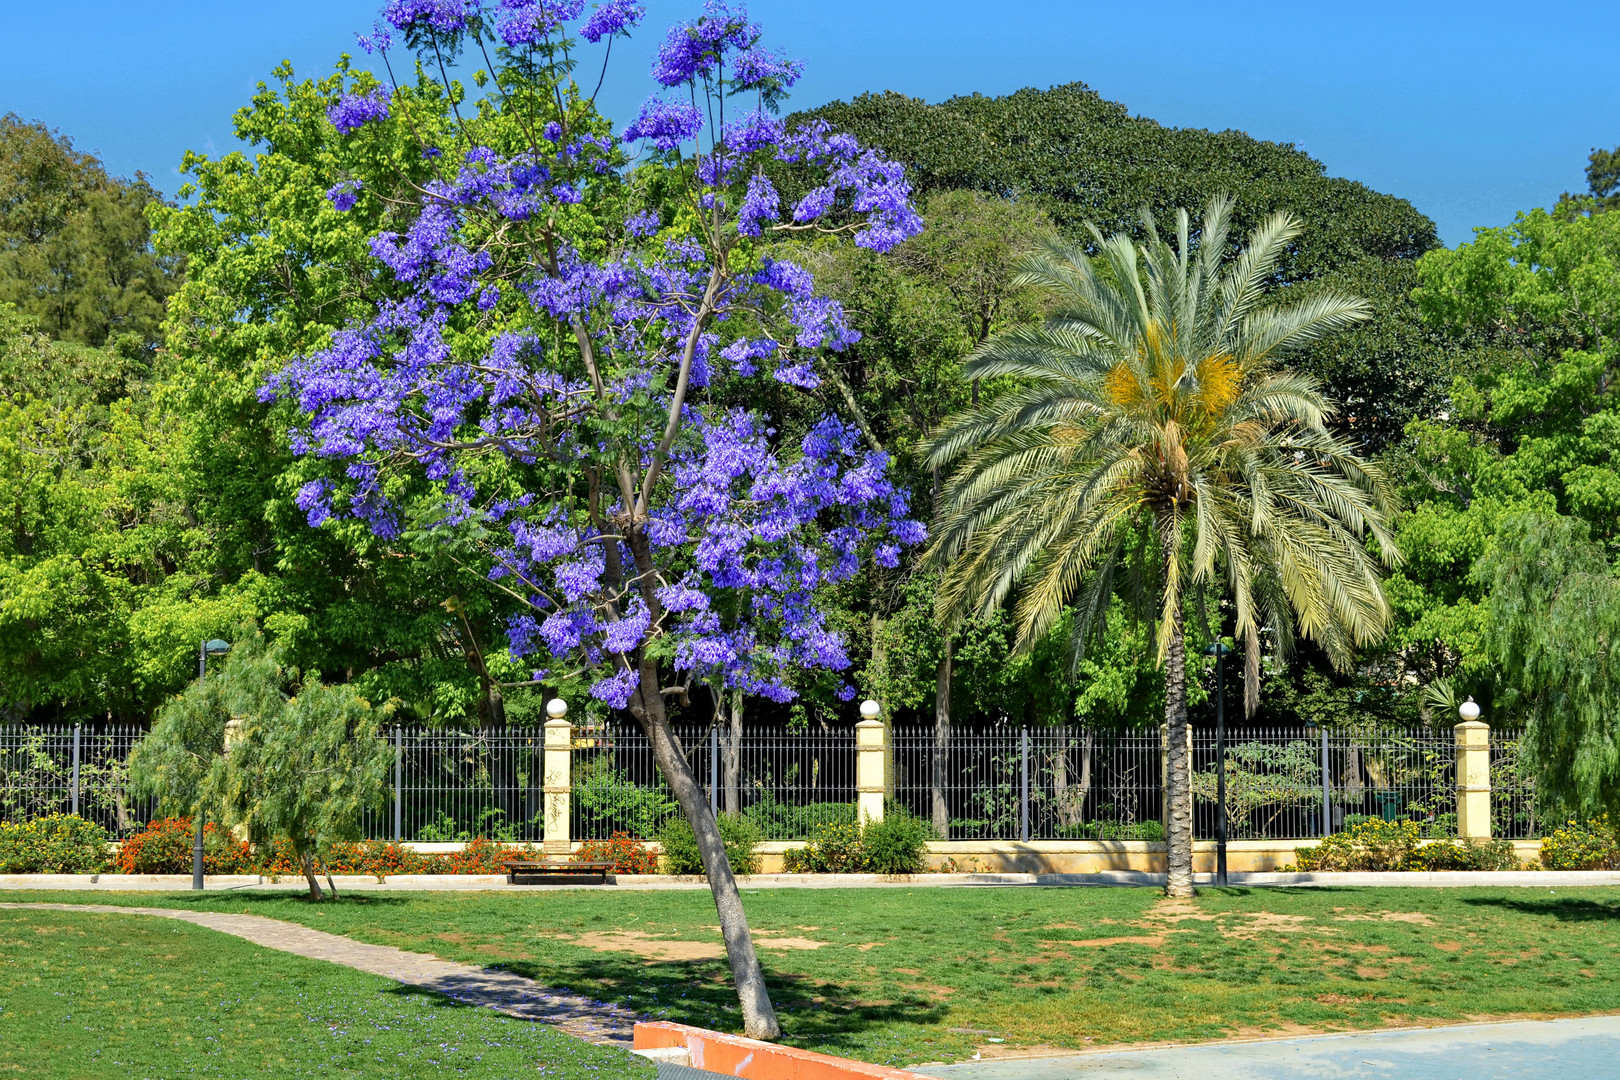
[(98, 996), (909, 975)]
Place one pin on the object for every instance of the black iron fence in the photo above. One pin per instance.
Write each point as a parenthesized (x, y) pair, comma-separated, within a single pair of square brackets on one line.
[(1001, 783)]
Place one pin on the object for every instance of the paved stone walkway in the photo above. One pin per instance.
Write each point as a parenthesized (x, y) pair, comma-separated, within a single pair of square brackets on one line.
[(593, 1021), (1576, 1049)]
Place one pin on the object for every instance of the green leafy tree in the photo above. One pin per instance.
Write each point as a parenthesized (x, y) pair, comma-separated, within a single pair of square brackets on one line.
[(1602, 186), (75, 247), (1087, 159), (1157, 434), (270, 751), (1554, 607), (1533, 426)]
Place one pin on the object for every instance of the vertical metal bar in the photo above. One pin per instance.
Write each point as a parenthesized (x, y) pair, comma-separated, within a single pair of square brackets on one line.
[(77, 730), (1023, 815), (1327, 797), (714, 769), (399, 785)]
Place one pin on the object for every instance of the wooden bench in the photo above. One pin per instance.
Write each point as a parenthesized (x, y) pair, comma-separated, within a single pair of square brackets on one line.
[(550, 872)]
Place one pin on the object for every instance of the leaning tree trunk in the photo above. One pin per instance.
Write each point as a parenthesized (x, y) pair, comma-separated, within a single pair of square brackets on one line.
[(307, 861), (1178, 767), (938, 760), (759, 1016)]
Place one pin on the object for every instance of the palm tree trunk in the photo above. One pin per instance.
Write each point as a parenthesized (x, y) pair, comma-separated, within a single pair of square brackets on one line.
[(1178, 766), (759, 1016)]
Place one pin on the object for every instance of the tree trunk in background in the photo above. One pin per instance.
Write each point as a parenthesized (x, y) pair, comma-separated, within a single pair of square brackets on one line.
[(1178, 766), (731, 753), (1071, 799), (759, 1017), (939, 759)]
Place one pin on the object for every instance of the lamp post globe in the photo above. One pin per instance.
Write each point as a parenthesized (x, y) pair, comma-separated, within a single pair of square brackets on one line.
[(556, 708), (869, 709), (1468, 710)]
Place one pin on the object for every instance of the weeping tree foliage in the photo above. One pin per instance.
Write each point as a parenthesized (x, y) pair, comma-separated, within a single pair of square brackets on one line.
[(1154, 441), (304, 759), (1555, 634)]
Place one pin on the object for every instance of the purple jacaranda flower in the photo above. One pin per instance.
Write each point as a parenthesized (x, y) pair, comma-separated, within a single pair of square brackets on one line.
[(759, 206), (344, 195), (352, 111), (694, 50), (615, 690), (666, 124), (378, 41), (531, 22), (610, 18), (444, 16)]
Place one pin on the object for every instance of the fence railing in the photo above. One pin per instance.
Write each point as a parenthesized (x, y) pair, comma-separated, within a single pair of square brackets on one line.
[(997, 783)]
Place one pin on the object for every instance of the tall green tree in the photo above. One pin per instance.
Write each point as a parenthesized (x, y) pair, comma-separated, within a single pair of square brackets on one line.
[(270, 751), (1087, 159), (1533, 427), (75, 246), (1157, 439), (1554, 606)]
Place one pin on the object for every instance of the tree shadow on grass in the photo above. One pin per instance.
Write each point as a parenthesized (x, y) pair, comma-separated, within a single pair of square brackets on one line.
[(813, 1012), (1562, 908)]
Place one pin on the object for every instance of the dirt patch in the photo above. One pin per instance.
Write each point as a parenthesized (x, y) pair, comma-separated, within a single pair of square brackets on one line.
[(788, 943), (1265, 922), (650, 947), (654, 948), (1168, 910), (1154, 940), (869, 946), (1416, 918), (1372, 972), (1448, 946)]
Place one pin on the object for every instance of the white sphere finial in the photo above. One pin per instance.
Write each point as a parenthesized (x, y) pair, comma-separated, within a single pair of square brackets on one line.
[(556, 708), (1468, 710), (869, 709)]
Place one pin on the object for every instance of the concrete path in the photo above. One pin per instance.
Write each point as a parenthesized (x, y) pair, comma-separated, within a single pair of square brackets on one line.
[(593, 1021), (1586, 1048)]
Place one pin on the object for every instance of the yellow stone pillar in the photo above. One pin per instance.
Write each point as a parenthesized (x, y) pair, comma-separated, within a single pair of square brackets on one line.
[(558, 778), (871, 756), (1473, 777)]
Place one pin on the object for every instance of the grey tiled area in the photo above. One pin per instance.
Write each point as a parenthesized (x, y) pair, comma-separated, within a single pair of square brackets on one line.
[(593, 1021), (1586, 1048)]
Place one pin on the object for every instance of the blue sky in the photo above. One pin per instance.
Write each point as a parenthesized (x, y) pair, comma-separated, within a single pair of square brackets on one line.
[(1471, 110)]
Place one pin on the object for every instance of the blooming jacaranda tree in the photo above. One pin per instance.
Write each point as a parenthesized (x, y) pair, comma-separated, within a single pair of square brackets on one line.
[(562, 301)]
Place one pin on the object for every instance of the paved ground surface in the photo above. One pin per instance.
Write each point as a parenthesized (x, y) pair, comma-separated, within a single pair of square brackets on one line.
[(1554, 1049), (594, 1021)]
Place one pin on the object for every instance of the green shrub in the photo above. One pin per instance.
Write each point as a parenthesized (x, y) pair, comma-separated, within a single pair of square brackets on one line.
[(1374, 844), (166, 847), (786, 821), (58, 844), (1465, 854), (681, 854), (898, 844), (1113, 830), (1582, 845), (834, 848)]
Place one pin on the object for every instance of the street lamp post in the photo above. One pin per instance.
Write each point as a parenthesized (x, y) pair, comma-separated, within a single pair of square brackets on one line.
[(1219, 650), (211, 647)]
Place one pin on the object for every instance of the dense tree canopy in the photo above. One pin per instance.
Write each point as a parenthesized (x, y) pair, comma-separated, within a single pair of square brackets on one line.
[(75, 250), (1083, 158)]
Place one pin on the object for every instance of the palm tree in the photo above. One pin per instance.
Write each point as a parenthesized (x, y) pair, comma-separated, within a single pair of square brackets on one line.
[(1154, 441)]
